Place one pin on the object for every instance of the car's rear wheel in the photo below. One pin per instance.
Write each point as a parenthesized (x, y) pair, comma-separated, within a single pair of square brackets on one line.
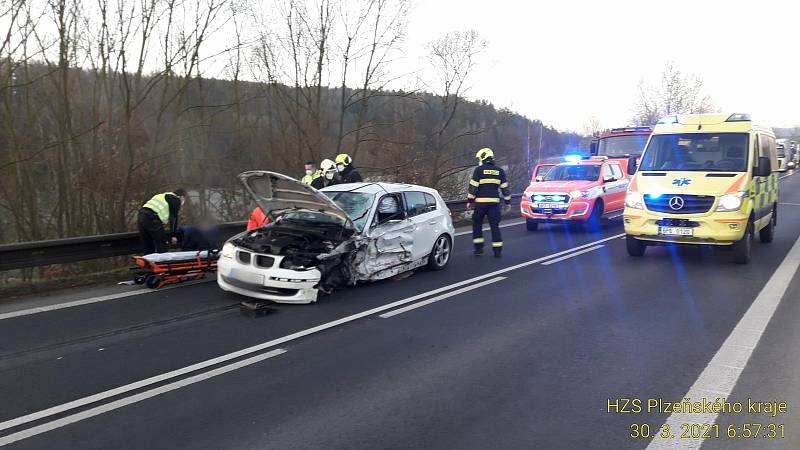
[(440, 254), (743, 247), (531, 225), (634, 246)]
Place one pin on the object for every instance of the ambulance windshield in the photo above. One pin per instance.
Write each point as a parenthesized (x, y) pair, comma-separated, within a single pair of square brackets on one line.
[(700, 152)]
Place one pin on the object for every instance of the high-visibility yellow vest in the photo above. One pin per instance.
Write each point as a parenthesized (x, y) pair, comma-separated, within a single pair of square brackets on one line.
[(158, 204), (307, 179)]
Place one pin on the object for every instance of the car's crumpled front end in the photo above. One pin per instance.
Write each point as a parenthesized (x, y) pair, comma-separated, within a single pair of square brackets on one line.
[(278, 262)]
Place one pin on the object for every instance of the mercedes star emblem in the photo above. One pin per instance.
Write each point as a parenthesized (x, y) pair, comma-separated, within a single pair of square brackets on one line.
[(675, 203)]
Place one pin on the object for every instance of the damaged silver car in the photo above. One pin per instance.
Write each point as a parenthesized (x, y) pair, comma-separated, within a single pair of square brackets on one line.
[(339, 236)]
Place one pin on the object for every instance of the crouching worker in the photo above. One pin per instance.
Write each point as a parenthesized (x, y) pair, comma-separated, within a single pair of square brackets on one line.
[(158, 221)]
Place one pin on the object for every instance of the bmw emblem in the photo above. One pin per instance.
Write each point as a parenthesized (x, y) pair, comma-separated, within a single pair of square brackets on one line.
[(676, 203)]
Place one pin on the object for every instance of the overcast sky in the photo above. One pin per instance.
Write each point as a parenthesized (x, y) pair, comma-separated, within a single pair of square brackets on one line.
[(563, 61)]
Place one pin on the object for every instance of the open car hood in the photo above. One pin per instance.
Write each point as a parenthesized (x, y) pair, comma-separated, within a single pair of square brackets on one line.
[(278, 194)]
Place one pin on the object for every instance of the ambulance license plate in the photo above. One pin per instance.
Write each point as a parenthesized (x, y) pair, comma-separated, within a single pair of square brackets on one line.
[(552, 206), (675, 231)]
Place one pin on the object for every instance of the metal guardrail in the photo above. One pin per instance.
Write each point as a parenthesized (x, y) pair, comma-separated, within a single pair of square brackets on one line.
[(70, 250)]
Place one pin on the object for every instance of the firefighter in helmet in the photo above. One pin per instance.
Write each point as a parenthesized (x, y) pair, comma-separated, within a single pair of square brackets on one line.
[(347, 171), (487, 189)]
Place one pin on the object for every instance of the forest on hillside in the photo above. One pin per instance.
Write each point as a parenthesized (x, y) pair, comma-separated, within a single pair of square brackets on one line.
[(105, 103)]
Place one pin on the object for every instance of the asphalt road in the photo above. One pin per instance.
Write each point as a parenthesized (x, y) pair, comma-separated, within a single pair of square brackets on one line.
[(525, 351)]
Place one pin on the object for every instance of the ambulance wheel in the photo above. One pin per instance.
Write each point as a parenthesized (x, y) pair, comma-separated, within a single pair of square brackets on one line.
[(743, 247), (440, 253), (153, 281), (634, 246), (139, 279), (768, 232), (531, 225)]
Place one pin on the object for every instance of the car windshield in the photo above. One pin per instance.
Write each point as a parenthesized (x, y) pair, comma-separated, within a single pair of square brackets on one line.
[(701, 152), (573, 173), (356, 204), (622, 145)]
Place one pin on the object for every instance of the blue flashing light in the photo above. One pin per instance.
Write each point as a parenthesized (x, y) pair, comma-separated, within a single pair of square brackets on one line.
[(558, 198), (654, 195), (538, 198), (573, 158)]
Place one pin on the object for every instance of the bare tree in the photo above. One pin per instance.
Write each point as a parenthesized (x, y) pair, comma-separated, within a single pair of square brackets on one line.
[(592, 127), (452, 59), (675, 93)]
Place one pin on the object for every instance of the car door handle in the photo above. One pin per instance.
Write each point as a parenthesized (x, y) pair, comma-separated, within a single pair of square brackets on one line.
[(432, 222)]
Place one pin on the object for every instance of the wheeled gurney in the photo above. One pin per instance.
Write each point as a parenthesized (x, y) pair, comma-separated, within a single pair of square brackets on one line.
[(159, 269)]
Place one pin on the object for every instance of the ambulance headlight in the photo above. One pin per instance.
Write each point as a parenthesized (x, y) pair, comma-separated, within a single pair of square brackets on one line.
[(227, 250), (730, 202), (633, 200)]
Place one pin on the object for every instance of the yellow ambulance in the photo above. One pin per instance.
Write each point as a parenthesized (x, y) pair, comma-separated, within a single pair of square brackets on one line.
[(706, 179)]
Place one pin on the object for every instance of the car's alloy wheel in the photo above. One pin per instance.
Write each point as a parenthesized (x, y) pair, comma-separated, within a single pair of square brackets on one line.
[(440, 255)]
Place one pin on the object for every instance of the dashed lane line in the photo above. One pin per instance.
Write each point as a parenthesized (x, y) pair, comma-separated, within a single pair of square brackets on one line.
[(571, 255), (440, 297)]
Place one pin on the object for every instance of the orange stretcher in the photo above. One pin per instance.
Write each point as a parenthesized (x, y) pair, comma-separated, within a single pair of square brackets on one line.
[(160, 269)]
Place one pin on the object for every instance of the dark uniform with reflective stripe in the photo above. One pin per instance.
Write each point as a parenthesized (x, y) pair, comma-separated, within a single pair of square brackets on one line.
[(485, 187)]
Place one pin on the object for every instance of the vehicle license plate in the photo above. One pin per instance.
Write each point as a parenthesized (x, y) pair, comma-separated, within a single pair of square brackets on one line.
[(552, 206), (675, 231), (247, 277)]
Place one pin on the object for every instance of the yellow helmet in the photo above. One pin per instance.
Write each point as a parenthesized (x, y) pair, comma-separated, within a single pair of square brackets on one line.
[(484, 153), (343, 158)]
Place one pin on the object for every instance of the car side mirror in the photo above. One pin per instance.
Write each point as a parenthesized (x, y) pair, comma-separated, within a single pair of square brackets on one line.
[(632, 165), (609, 179), (764, 168), (539, 178)]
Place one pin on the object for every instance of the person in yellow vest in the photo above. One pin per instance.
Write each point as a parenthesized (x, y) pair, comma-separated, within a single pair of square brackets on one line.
[(158, 215), (311, 173)]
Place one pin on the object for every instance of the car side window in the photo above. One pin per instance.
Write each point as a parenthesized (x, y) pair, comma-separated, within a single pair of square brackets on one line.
[(617, 171), (415, 203), (430, 202), (390, 207), (607, 173)]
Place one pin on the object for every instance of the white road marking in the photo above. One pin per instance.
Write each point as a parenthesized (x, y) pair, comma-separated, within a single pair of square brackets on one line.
[(273, 343), (88, 301), (97, 410), (724, 370), (440, 297), (502, 225), (787, 175), (789, 204), (586, 250)]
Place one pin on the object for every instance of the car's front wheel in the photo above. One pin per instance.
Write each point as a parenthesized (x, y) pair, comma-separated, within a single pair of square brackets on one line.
[(440, 254)]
